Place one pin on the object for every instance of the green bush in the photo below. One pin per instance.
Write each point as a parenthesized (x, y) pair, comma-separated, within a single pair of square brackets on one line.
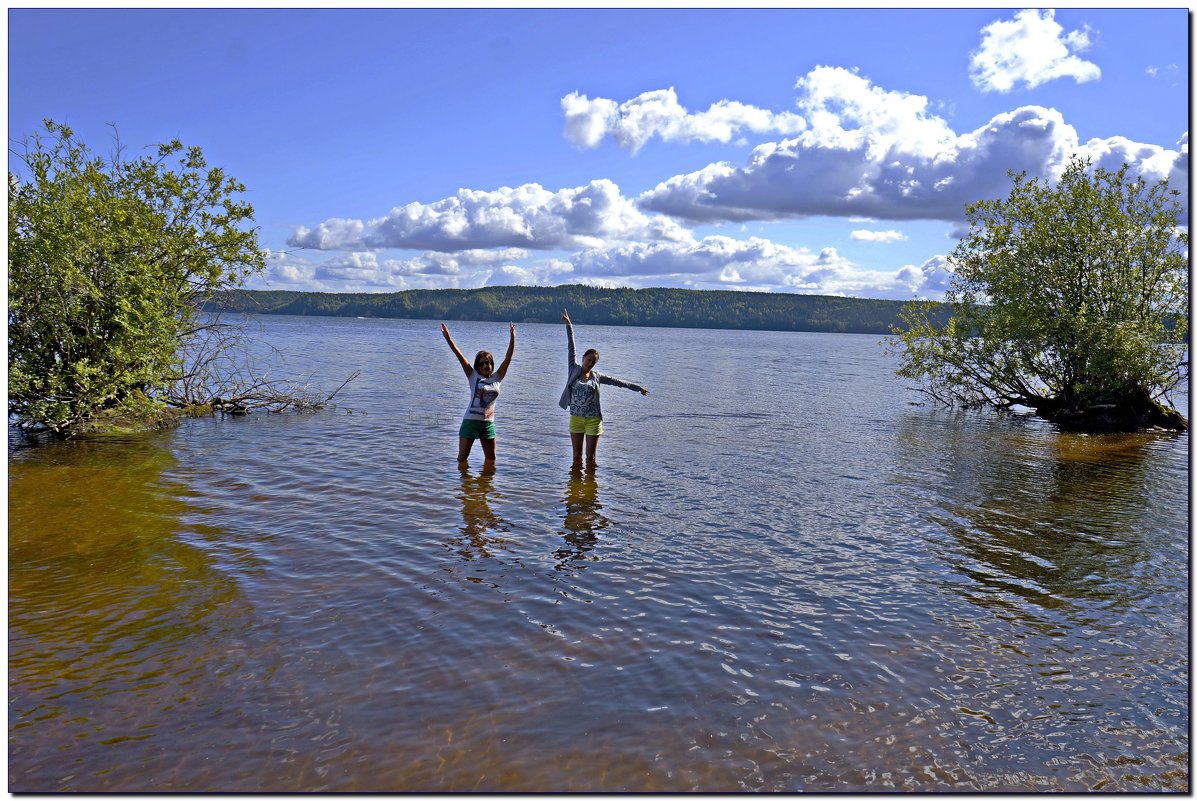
[(110, 261)]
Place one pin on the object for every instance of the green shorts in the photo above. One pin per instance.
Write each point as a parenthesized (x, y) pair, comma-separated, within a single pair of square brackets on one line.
[(585, 425), (477, 429)]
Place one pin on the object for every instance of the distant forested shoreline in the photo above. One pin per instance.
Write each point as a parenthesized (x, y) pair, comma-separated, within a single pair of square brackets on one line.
[(654, 307)]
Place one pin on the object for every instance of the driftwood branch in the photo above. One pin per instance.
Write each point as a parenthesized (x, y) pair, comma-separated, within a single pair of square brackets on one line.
[(217, 372)]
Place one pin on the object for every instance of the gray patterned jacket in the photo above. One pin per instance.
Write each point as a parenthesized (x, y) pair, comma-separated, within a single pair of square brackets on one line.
[(575, 370)]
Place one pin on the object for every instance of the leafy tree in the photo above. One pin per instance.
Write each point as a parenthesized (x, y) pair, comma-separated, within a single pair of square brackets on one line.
[(110, 261), (1069, 299)]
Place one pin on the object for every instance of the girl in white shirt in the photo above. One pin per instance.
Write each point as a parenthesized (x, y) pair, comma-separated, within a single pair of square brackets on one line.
[(478, 422)]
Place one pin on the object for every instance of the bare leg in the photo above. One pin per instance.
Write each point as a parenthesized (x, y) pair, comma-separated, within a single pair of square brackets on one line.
[(488, 449), (463, 449), (591, 447), (576, 441)]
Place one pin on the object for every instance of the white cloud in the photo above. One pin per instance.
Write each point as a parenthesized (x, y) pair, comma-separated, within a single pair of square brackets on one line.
[(1169, 72), (1031, 49), (335, 233), (720, 262), (1178, 176), (879, 154), (517, 276), (352, 267), (929, 280), (1152, 162), (657, 113), (587, 121), (287, 269), (846, 112), (878, 236), (365, 272), (527, 216)]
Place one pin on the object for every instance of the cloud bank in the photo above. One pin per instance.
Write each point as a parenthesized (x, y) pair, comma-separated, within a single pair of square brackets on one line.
[(713, 262), (849, 149), (883, 154), (527, 216), (366, 272), (756, 264)]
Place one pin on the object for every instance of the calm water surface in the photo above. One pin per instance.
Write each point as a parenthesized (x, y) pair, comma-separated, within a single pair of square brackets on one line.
[(782, 576)]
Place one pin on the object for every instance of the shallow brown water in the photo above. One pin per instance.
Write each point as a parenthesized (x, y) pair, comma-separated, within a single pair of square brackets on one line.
[(782, 576)]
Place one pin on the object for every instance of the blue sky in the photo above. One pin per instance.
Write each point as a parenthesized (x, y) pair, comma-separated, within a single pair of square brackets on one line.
[(822, 151)]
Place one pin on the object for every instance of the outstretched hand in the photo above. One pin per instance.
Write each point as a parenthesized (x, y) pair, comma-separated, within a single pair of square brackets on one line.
[(445, 330), (643, 391), (565, 316)]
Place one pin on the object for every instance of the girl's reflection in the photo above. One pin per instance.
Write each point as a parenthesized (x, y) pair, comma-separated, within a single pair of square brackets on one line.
[(479, 521), (583, 518)]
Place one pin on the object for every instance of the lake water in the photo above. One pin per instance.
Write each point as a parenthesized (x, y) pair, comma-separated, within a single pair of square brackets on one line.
[(782, 576)]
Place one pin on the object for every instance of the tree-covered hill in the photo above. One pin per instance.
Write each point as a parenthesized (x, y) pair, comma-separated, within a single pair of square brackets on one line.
[(669, 308)]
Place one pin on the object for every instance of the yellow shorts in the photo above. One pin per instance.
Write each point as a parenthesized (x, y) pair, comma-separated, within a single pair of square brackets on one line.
[(585, 425)]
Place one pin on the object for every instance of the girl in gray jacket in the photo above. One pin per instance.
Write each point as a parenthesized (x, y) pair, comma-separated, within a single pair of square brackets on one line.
[(581, 397)]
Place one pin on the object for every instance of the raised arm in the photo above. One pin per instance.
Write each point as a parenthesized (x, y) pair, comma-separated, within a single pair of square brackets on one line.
[(465, 365), (501, 373), (569, 333), (619, 382)]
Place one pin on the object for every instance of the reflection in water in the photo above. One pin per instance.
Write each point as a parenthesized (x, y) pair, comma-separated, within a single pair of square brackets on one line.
[(1040, 519), (479, 521), (1064, 546), (115, 621), (889, 600), (583, 520)]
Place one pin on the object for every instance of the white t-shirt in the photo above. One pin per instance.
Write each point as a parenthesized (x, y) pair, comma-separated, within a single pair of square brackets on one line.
[(483, 394)]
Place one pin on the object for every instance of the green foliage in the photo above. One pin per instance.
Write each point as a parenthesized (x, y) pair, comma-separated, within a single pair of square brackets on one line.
[(655, 307), (110, 262), (1064, 298)]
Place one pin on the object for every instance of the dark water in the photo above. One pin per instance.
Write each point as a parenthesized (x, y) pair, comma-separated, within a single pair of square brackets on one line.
[(782, 576)]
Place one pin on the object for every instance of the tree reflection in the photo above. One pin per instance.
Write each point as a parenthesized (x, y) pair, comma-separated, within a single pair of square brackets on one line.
[(1042, 519), (583, 519), (94, 526), (112, 608)]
